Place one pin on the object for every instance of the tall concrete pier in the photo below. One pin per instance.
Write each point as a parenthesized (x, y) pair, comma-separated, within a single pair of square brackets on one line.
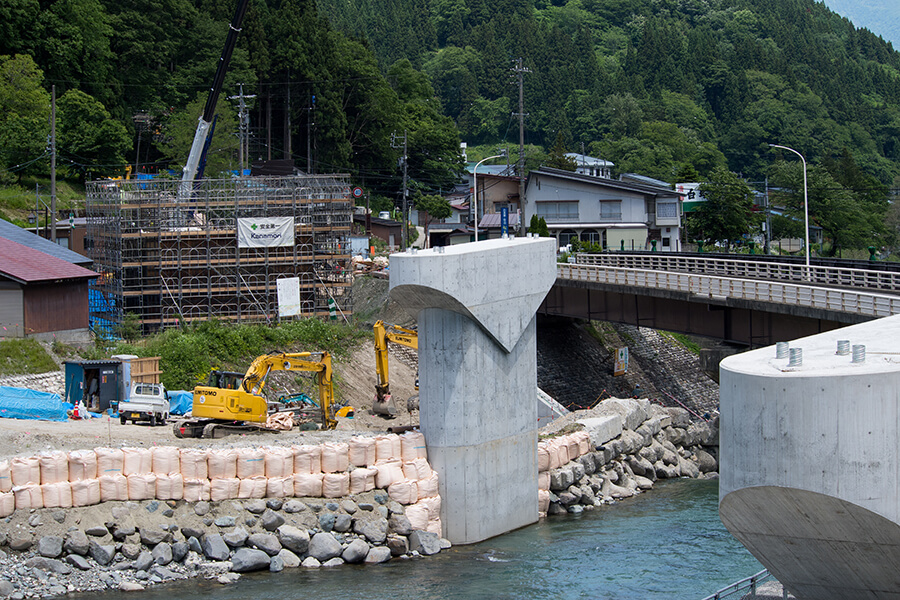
[(810, 460), (475, 305)]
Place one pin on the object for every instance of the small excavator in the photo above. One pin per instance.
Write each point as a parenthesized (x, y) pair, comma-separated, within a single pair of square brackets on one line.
[(233, 402), (384, 333)]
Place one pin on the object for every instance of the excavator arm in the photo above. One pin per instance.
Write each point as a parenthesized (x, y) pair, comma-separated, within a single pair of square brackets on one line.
[(385, 333)]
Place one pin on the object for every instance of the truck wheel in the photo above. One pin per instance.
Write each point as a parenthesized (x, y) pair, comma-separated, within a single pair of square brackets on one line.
[(153, 420), (122, 419)]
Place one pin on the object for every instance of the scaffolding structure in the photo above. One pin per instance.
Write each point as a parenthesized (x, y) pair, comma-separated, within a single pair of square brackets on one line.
[(170, 254)]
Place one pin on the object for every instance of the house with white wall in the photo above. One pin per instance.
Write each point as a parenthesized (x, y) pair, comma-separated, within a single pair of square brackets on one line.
[(591, 165), (613, 213)]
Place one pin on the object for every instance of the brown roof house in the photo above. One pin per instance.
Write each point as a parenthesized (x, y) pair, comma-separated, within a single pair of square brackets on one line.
[(42, 296)]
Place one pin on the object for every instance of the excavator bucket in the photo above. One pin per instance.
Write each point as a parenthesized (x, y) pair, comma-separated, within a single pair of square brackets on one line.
[(384, 406)]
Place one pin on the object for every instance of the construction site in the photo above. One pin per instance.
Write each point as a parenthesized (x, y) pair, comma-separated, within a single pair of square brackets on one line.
[(170, 253)]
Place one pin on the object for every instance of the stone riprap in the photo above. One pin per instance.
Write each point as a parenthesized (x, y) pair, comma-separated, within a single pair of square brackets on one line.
[(618, 449), (392, 511)]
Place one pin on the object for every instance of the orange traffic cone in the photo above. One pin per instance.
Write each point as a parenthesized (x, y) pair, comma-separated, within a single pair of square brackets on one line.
[(75, 414)]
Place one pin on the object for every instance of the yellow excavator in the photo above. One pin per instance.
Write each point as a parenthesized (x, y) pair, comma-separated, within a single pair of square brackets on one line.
[(384, 333), (233, 402)]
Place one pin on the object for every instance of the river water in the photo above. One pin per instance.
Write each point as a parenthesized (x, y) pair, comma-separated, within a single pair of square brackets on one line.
[(667, 544)]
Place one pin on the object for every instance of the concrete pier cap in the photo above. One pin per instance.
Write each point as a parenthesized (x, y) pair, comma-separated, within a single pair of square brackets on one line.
[(810, 460), (475, 306)]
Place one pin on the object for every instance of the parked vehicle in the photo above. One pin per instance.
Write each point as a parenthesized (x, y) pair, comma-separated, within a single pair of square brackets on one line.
[(148, 402)]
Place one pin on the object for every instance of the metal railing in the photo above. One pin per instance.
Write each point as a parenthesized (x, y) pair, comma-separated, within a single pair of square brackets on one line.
[(705, 286), (745, 585), (848, 277)]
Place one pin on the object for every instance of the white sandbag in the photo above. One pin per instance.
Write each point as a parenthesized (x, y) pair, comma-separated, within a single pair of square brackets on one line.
[(141, 486), (166, 460), (336, 485), (362, 451), (572, 446), (307, 459), (28, 496), (252, 487), (113, 487), (335, 457), (388, 473), (5, 477), (110, 461), (251, 462), (433, 505), (553, 451), (404, 491), (436, 527), (54, 467), (412, 446), (362, 480), (544, 480), (194, 463), (308, 485), (7, 504), (428, 488), (280, 487), (224, 488), (57, 495), (196, 490), (279, 462), (543, 457), (584, 442), (82, 465), (136, 461), (388, 447), (418, 515), (25, 470), (417, 469), (222, 464), (85, 492), (169, 486), (543, 501)]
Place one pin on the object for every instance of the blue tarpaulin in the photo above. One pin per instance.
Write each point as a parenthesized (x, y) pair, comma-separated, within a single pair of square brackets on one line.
[(180, 402), (22, 403)]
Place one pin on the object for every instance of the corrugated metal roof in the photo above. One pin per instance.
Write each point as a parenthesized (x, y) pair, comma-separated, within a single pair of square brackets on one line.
[(493, 220), (17, 234), (27, 265)]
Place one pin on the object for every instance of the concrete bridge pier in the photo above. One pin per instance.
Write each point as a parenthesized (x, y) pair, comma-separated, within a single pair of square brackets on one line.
[(475, 306)]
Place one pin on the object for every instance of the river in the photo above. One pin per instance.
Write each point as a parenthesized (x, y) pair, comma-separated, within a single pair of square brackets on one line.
[(667, 544)]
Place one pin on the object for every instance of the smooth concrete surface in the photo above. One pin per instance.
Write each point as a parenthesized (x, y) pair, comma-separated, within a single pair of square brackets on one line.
[(475, 305), (603, 429), (810, 459)]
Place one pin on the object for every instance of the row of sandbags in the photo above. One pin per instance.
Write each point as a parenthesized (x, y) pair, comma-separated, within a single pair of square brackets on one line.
[(554, 453), (395, 463)]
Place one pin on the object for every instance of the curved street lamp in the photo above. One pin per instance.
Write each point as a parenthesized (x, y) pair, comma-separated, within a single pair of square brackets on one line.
[(805, 197), (475, 186)]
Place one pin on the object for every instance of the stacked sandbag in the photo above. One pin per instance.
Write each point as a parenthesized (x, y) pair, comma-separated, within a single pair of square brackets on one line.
[(56, 491), (362, 480), (82, 465), (412, 446), (25, 473), (388, 447), (166, 464), (335, 485), (195, 474), (110, 466), (6, 484), (362, 451), (223, 481), (335, 457), (251, 471), (307, 459), (7, 498)]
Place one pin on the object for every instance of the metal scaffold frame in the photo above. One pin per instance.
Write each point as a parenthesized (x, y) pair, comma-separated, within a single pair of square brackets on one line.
[(171, 257)]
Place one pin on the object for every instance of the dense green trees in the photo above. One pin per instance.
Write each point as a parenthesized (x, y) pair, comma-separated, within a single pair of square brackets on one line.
[(24, 112), (727, 214)]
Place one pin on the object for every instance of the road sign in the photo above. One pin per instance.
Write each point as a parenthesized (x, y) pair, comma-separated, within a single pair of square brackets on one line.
[(357, 192)]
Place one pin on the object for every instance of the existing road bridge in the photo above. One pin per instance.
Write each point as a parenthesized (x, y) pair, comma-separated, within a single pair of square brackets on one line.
[(740, 299)]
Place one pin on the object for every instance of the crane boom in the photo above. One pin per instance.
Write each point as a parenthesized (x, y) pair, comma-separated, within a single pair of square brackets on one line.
[(384, 333), (203, 127)]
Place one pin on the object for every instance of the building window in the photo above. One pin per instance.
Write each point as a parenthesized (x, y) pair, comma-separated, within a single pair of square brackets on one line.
[(558, 211), (592, 236), (611, 211), (566, 236), (666, 210), (666, 242)]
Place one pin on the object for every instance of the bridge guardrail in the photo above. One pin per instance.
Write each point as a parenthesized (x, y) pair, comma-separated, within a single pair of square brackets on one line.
[(716, 287), (882, 281)]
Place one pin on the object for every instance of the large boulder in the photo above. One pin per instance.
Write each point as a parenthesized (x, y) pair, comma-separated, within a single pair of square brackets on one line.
[(214, 547), (374, 530), (378, 554), (267, 542), (295, 540), (76, 542), (603, 429), (50, 546), (246, 560), (324, 547), (355, 552), (424, 542)]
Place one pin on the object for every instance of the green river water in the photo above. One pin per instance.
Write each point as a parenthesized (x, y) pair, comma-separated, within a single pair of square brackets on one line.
[(667, 544)]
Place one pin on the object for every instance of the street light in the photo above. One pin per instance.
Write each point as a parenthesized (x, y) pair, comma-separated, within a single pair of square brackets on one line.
[(475, 186), (805, 197)]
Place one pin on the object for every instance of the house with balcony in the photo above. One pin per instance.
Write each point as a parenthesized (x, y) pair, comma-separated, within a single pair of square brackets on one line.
[(633, 213)]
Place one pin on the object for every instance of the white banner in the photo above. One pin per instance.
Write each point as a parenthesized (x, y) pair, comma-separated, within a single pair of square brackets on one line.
[(288, 296), (263, 232)]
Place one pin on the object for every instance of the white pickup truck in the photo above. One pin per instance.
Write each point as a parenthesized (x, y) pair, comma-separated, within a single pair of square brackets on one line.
[(148, 402)]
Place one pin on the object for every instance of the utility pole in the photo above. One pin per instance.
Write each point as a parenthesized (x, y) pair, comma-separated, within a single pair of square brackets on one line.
[(309, 126), (395, 143), (287, 122), (519, 69), (243, 127), (53, 165)]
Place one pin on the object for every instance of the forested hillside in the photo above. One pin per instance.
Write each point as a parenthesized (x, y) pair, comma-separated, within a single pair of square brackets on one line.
[(654, 85)]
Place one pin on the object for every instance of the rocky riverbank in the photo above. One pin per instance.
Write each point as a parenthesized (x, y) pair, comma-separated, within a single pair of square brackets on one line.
[(618, 449)]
